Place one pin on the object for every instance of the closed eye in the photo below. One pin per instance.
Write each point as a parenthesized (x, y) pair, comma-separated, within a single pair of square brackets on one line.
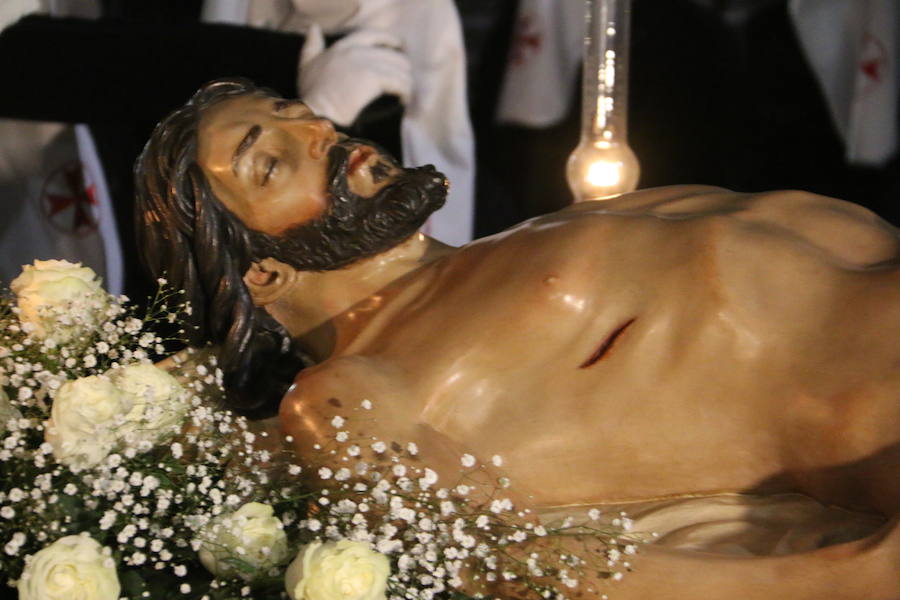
[(271, 164), (291, 109)]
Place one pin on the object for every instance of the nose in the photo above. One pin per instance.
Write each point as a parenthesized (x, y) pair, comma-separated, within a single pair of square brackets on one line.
[(321, 136)]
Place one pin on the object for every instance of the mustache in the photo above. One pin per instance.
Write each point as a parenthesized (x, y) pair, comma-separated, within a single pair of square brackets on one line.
[(396, 202), (355, 227), (339, 160)]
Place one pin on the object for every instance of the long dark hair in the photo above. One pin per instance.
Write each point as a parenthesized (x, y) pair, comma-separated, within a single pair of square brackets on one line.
[(185, 235)]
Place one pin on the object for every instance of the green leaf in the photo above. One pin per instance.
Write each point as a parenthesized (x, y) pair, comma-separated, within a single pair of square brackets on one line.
[(132, 583)]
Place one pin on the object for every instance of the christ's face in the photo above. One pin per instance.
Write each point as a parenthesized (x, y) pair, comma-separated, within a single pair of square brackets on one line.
[(267, 161)]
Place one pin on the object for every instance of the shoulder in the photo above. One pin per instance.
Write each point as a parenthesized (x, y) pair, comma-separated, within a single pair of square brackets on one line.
[(343, 371), (360, 392), (334, 385)]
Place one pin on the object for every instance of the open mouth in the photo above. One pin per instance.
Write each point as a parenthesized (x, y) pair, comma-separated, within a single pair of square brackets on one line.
[(358, 157)]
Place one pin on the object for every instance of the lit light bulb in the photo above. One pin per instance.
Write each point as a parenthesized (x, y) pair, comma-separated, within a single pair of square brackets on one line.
[(603, 165), (599, 170)]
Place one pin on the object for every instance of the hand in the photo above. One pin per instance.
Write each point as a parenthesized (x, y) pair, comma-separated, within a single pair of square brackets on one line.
[(340, 81)]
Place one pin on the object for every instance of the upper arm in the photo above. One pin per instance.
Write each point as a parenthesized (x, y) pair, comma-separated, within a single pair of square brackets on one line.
[(847, 233), (850, 234), (373, 408)]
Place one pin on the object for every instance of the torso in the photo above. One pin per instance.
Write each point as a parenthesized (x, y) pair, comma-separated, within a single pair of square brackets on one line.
[(656, 346)]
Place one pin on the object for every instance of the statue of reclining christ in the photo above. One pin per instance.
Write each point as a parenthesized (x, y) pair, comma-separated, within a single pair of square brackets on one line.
[(674, 342)]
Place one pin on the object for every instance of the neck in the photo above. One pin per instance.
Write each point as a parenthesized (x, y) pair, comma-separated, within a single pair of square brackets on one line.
[(325, 310)]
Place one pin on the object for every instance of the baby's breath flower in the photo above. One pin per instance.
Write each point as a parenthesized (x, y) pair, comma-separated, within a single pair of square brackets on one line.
[(157, 508)]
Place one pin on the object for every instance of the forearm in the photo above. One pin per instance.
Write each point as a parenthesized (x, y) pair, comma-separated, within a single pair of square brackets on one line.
[(865, 569), (836, 573)]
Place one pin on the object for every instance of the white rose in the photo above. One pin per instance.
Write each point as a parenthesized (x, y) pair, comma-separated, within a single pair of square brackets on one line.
[(58, 298), (84, 420), (252, 535), (343, 570), (7, 411), (158, 401), (73, 567)]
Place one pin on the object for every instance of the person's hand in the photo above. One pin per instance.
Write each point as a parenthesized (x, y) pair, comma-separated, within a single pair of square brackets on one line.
[(338, 82)]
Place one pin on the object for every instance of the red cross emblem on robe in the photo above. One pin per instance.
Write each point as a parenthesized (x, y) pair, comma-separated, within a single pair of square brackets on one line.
[(68, 201)]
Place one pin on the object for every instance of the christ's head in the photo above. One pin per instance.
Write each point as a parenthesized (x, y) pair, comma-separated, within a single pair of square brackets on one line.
[(238, 175)]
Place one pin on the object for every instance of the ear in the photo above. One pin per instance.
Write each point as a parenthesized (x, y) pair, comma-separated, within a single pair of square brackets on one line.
[(268, 280)]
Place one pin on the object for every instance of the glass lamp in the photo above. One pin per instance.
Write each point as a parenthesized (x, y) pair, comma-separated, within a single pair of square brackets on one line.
[(603, 165)]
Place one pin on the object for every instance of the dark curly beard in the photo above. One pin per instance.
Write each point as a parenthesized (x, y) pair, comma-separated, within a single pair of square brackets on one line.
[(356, 227)]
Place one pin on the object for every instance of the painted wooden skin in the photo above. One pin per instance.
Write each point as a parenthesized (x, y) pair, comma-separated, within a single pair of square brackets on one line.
[(684, 340), (680, 340), (676, 341)]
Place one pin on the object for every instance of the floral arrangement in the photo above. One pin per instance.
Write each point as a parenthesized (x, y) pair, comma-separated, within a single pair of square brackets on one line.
[(125, 478)]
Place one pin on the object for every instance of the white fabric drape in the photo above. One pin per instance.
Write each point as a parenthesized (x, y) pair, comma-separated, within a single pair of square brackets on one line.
[(544, 57), (56, 204), (852, 48)]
